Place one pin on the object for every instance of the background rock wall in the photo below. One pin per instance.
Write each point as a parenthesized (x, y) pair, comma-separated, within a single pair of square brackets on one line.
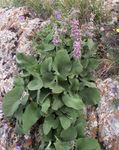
[(17, 28)]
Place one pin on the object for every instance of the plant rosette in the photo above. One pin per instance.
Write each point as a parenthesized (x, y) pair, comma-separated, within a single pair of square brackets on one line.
[(55, 87)]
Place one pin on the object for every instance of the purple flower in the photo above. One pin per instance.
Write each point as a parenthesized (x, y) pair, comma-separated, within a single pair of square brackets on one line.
[(75, 34), (56, 40), (21, 18), (18, 148), (77, 49), (57, 14)]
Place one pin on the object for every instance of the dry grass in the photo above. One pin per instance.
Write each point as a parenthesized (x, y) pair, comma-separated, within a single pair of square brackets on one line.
[(4, 3), (43, 7), (84, 7)]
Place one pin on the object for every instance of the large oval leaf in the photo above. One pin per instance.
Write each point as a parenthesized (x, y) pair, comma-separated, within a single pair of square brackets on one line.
[(90, 44), (35, 84), (65, 122), (30, 116), (61, 145), (48, 47), (56, 89), (90, 95), (24, 99), (73, 101), (46, 66), (62, 64), (57, 103), (28, 63), (49, 123), (25, 61), (69, 134), (77, 67), (11, 101), (87, 144), (45, 105), (88, 83)]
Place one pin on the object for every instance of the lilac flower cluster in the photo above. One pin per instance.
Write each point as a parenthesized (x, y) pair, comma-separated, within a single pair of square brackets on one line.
[(75, 34), (18, 148), (57, 14), (21, 18), (56, 40)]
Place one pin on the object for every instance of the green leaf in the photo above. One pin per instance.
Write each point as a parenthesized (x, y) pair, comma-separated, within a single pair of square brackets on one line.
[(49, 123), (45, 105), (25, 74), (56, 89), (62, 64), (46, 66), (35, 84), (81, 126), (24, 98), (53, 85), (11, 101), (90, 44), (19, 81), (55, 123), (84, 73), (25, 61), (18, 116), (46, 127), (44, 93), (63, 83), (30, 116), (93, 64), (73, 101), (56, 103), (88, 144), (48, 137), (61, 145), (49, 37), (75, 85), (28, 63), (84, 62), (71, 113), (69, 134), (48, 79), (77, 68), (90, 96), (48, 47), (65, 121), (88, 84)]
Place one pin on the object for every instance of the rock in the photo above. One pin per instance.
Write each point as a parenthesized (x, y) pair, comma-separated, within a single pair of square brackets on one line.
[(103, 122), (92, 124), (108, 113), (17, 28)]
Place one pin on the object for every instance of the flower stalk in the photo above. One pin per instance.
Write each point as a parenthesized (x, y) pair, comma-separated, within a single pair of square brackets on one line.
[(75, 34)]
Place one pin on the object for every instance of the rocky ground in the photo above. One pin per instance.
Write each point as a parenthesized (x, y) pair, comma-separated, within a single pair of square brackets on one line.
[(103, 121), (17, 28)]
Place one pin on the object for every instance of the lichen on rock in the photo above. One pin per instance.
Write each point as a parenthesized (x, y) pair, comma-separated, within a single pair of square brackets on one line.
[(17, 28)]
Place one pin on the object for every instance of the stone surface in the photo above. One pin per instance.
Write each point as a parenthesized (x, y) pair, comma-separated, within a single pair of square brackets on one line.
[(17, 28), (108, 114), (103, 122)]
